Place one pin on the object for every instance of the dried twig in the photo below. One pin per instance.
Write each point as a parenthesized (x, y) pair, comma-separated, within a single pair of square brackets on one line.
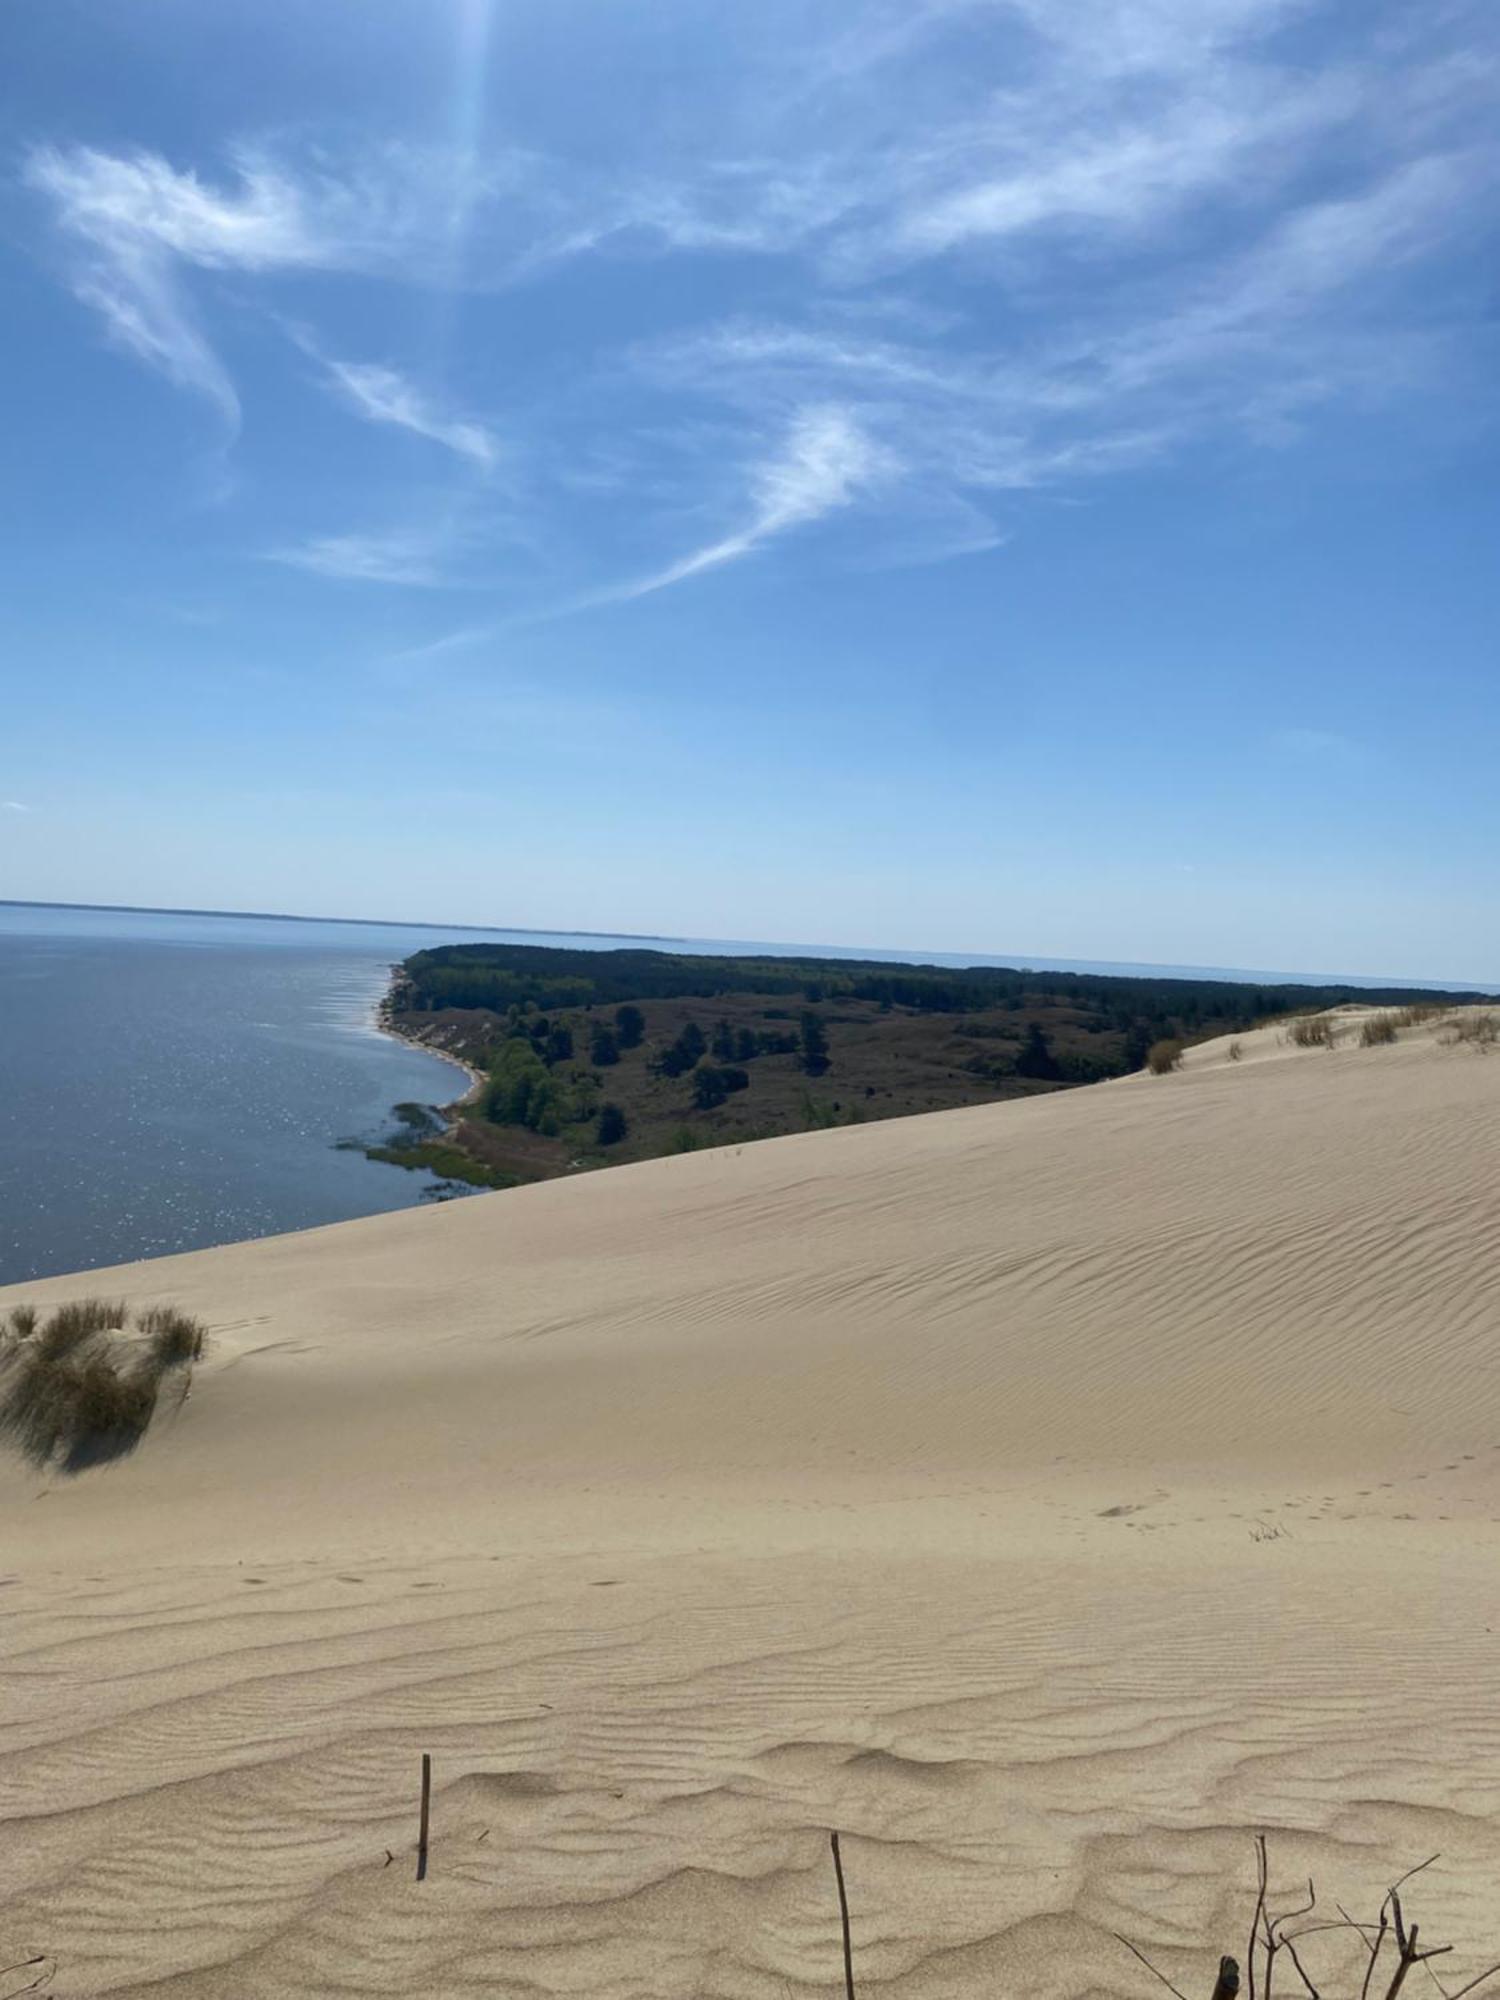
[(1272, 1934), (1257, 1916), (838, 1870), (1153, 1970)]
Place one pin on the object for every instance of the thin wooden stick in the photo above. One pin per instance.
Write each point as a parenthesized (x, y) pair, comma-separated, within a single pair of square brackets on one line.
[(838, 1870), (1257, 1916), (1155, 1971), (426, 1811)]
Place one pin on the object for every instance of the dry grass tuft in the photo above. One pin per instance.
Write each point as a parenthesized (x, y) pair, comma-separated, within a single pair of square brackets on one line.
[(1418, 1012), (1163, 1057), (1314, 1031), (1475, 1028), (82, 1386), (1377, 1031), (175, 1339)]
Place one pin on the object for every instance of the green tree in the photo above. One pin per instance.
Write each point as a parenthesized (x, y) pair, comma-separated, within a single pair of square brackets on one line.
[(723, 1042), (630, 1026), (604, 1049), (814, 1044), (612, 1125), (713, 1082), (1036, 1059)]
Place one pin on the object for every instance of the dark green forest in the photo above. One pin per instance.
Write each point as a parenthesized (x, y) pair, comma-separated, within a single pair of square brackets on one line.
[(499, 977)]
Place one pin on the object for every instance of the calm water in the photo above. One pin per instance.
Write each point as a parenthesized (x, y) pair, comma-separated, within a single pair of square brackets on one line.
[(168, 1082)]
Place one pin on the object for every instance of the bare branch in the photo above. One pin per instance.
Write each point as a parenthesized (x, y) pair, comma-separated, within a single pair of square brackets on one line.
[(1149, 1966), (1478, 1981), (1257, 1915)]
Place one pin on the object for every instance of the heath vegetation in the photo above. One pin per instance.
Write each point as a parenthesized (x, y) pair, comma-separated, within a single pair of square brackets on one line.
[(592, 1057)]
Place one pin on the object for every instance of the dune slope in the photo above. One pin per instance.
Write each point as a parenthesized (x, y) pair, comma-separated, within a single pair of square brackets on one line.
[(1046, 1495)]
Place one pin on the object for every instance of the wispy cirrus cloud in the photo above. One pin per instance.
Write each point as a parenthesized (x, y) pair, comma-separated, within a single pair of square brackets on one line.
[(383, 396), (13, 806), (947, 254), (138, 225), (825, 462), (135, 222)]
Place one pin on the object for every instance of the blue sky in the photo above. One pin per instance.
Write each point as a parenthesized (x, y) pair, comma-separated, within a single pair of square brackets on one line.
[(978, 474)]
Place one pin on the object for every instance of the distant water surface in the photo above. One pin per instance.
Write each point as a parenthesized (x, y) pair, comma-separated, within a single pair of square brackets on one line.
[(168, 1082)]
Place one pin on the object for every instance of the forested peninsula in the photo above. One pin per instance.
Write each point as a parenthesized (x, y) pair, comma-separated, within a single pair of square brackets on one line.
[(589, 1058)]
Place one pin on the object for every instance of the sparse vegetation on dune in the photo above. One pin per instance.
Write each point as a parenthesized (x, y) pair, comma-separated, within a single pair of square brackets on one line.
[(82, 1386), (1419, 1011), (1163, 1057), (1314, 1031), (1378, 1030), (1325, 1952), (1475, 1028)]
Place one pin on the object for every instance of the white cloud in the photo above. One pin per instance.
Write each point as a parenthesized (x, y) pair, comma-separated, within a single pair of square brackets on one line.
[(137, 219), (824, 463), (382, 396), (13, 806), (138, 223)]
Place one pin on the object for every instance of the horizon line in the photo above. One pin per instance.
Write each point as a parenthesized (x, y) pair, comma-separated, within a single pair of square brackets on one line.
[(1104, 967)]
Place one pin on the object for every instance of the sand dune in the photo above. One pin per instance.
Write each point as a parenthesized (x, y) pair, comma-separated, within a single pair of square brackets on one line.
[(1046, 1495)]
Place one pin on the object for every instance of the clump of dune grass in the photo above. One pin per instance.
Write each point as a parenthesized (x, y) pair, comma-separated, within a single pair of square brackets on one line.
[(1234, 1051), (1377, 1031), (1418, 1012), (82, 1386), (1475, 1028), (1163, 1057), (1314, 1031), (175, 1338)]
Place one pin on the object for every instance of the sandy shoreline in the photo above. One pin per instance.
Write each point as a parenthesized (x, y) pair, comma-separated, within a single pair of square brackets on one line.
[(384, 1022), (1048, 1495)]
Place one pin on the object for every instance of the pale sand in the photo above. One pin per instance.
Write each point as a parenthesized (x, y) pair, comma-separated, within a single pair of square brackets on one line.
[(1047, 1495)]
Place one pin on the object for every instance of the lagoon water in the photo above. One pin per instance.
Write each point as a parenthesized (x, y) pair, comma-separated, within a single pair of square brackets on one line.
[(168, 1082)]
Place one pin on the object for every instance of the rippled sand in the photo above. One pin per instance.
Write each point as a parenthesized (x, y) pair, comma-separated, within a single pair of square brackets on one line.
[(1048, 1496)]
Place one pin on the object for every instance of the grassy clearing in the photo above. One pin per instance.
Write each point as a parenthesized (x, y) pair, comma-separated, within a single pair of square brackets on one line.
[(81, 1387)]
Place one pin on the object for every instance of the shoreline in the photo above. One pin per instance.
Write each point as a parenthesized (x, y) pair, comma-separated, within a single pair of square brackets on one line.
[(385, 1024)]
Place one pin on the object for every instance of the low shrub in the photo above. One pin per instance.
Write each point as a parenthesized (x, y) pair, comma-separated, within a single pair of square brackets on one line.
[(1377, 1031), (1163, 1057)]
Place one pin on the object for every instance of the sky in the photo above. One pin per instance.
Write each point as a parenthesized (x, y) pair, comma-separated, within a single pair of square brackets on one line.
[(994, 475)]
